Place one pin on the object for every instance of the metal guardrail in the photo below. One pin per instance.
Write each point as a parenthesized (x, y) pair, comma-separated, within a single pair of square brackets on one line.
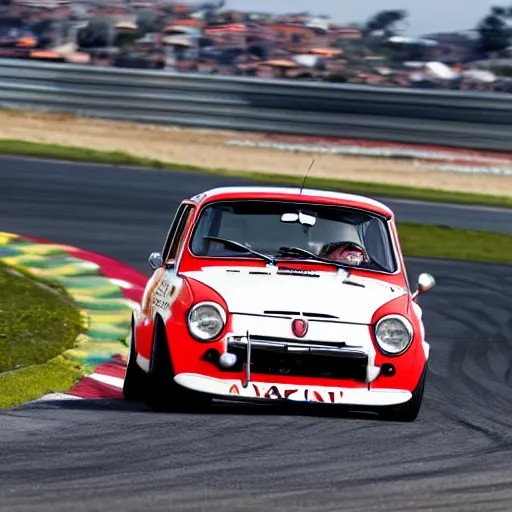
[(450, 118)]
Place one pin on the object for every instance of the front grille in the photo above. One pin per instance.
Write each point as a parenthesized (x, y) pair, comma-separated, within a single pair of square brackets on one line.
[(296, 359)]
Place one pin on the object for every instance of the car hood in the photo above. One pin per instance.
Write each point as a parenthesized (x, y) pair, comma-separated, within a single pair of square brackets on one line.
[(258, 291)]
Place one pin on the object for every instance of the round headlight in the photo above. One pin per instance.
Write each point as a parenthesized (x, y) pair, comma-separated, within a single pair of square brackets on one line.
[(394, 334), (206, 321)]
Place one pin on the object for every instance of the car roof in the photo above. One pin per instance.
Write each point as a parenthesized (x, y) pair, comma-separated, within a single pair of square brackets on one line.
[(293, 194)]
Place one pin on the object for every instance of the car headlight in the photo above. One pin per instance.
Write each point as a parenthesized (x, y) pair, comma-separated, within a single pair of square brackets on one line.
[(206, 321), (393, 334)]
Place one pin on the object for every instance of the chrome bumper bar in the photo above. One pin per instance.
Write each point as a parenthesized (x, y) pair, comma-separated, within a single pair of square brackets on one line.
[(248, 361), (299, 348)]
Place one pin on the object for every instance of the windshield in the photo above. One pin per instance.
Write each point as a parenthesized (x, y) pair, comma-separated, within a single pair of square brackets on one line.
[(262, 226)]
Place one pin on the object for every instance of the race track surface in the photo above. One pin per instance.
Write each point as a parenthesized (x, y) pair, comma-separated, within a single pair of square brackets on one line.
[(109, 456)]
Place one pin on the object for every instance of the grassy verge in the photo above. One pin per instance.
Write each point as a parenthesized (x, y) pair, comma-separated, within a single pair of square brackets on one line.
[(443, 242), (76, 154), (37, 323), (25, 384)]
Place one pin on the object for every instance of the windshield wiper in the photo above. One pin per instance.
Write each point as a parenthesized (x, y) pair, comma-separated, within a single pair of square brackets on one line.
[(298, 251), (238, 247)]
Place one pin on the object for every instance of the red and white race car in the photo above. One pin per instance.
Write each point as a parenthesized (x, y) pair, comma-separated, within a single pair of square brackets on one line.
[(270, 293)]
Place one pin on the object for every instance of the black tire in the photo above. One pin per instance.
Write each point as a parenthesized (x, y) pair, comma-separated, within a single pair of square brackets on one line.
[(409, 410), (162, 392), (135, 380)]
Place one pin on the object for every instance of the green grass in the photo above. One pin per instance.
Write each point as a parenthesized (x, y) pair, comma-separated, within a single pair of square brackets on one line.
[(31, 382), (76, 154), (444, 242), (37, 323)]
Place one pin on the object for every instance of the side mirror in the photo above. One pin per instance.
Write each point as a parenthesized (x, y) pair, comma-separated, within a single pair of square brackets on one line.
[(155, 260), (425, 283)]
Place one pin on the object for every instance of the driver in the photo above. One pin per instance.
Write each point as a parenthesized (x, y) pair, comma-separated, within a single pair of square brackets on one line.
[(346, 252)]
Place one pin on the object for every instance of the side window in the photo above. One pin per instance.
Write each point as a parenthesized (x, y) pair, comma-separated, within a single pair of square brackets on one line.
[(177, 248), (175, 233)]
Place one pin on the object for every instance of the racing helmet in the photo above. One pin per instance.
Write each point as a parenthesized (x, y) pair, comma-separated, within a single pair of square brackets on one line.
[(345, 252)]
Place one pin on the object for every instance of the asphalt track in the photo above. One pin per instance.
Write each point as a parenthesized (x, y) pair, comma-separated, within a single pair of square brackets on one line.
[(106, 455)]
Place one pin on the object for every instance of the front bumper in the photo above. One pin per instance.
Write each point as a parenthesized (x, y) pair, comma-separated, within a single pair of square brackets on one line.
[(298, 393)]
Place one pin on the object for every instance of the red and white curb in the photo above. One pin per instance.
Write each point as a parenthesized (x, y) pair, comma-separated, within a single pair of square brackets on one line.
[(105, 382)]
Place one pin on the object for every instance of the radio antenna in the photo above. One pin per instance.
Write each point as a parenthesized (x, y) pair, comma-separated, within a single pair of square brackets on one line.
[(304, 180)]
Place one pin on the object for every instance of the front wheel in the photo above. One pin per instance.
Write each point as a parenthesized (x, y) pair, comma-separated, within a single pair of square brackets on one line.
[(135, 380), (162, 392), (409, 410)]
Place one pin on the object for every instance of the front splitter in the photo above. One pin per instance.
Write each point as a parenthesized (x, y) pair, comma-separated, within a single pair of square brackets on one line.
[(297, 393)]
